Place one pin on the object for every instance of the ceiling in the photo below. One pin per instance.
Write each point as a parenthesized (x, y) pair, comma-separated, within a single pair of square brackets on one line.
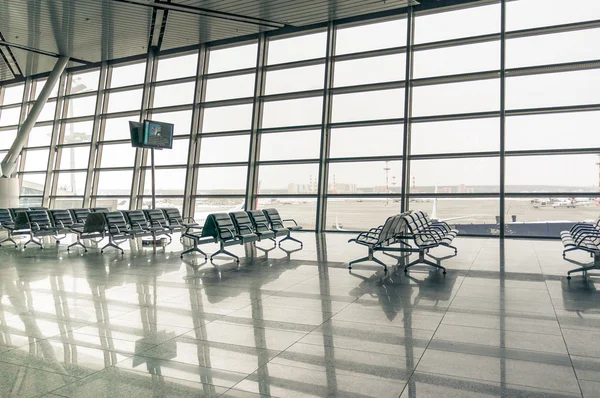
[(34, 33)]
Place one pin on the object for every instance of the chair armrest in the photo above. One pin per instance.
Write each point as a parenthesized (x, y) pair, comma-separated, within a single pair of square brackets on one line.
[(221, 229), (115, 227), (291, 220), (427, 234), (246, 227), (189, 229)]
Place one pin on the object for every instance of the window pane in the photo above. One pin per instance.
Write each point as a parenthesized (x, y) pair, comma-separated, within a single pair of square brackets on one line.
[(182, 120), (470, 216), (36, 160), (13, 94), (71, 184), (453, 175), (113, 203), (372, 105), (466, 97), (114, 182), (174, 67), (552, 173), (373, 36), (78, 132), (295, 79), (290, 145), (370, 70), (227, 118), (7, 138), (206, 206), (476, 135), (222, 180), (175, 156), (474, 21), (288, 179), (297, 48), (224, 149), (554, 89), (128, 75), (230, 87), (168, 182), (539, 216), (40, 136), (525, 14), (233, 58), (74, 157), (175, 94), (295, 112), (85, 82), (33, 184), (10, 116), (302, 210), (542, 50), (124, 101), (553, 131), (366, 141), (67, 203), (119, 155), (39, 85), (30, 202), (365, 177), (457, 59), (81, 106), (47, 112), (360, 214), (117, 128)]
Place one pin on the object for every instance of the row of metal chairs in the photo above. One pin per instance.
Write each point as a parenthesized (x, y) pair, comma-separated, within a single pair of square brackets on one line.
[(585, 237), (412, 232), (96, 223), (239, 227)]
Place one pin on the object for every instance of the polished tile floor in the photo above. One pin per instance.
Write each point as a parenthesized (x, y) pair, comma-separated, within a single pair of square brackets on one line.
[(504, 321)]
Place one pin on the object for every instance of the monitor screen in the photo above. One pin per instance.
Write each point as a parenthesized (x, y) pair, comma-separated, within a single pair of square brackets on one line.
[(137, 132), (158, 135)]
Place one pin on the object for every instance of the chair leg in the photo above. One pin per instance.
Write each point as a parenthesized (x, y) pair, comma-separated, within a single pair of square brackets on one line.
[(194, 249), (370, 257), (423, 260), (111, 243), (288, 237), (35, 242), (222, 250), (8, 239), (78, 243)]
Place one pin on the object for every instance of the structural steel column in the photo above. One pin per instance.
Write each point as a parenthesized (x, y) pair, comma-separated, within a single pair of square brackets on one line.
[(502, 115), (189, 204), (321, 216), (254, 152), (407, 111), (10, 160)]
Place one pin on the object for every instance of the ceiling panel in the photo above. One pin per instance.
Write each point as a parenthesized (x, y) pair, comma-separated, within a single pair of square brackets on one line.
[(90, 31), (184, 29), (297, 12), (5, 72)]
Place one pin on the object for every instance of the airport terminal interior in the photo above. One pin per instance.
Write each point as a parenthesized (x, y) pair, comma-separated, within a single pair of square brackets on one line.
[(299, 198)]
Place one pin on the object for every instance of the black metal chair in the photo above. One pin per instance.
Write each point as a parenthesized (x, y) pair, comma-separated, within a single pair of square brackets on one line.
[(118, 230), (419, 240), (63, 222), (377, 239), (79, 215), (94, 227), (140, 225), (40, 225), (277, 225), (177, 223), (157, 219), (7, 224)]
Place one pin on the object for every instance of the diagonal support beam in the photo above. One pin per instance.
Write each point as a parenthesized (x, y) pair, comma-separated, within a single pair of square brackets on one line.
[(10, 160)]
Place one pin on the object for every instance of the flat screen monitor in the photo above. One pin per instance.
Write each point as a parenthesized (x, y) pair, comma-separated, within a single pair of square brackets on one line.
[(158, 135), (136, 130)]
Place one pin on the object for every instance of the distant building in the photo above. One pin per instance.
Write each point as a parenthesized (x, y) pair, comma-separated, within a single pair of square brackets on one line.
[(444, 190)]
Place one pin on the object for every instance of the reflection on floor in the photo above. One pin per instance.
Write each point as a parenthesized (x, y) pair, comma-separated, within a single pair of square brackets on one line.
[(504, 321)]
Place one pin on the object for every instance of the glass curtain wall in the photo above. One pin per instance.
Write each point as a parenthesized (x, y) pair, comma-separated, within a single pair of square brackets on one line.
[(342, 126)]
